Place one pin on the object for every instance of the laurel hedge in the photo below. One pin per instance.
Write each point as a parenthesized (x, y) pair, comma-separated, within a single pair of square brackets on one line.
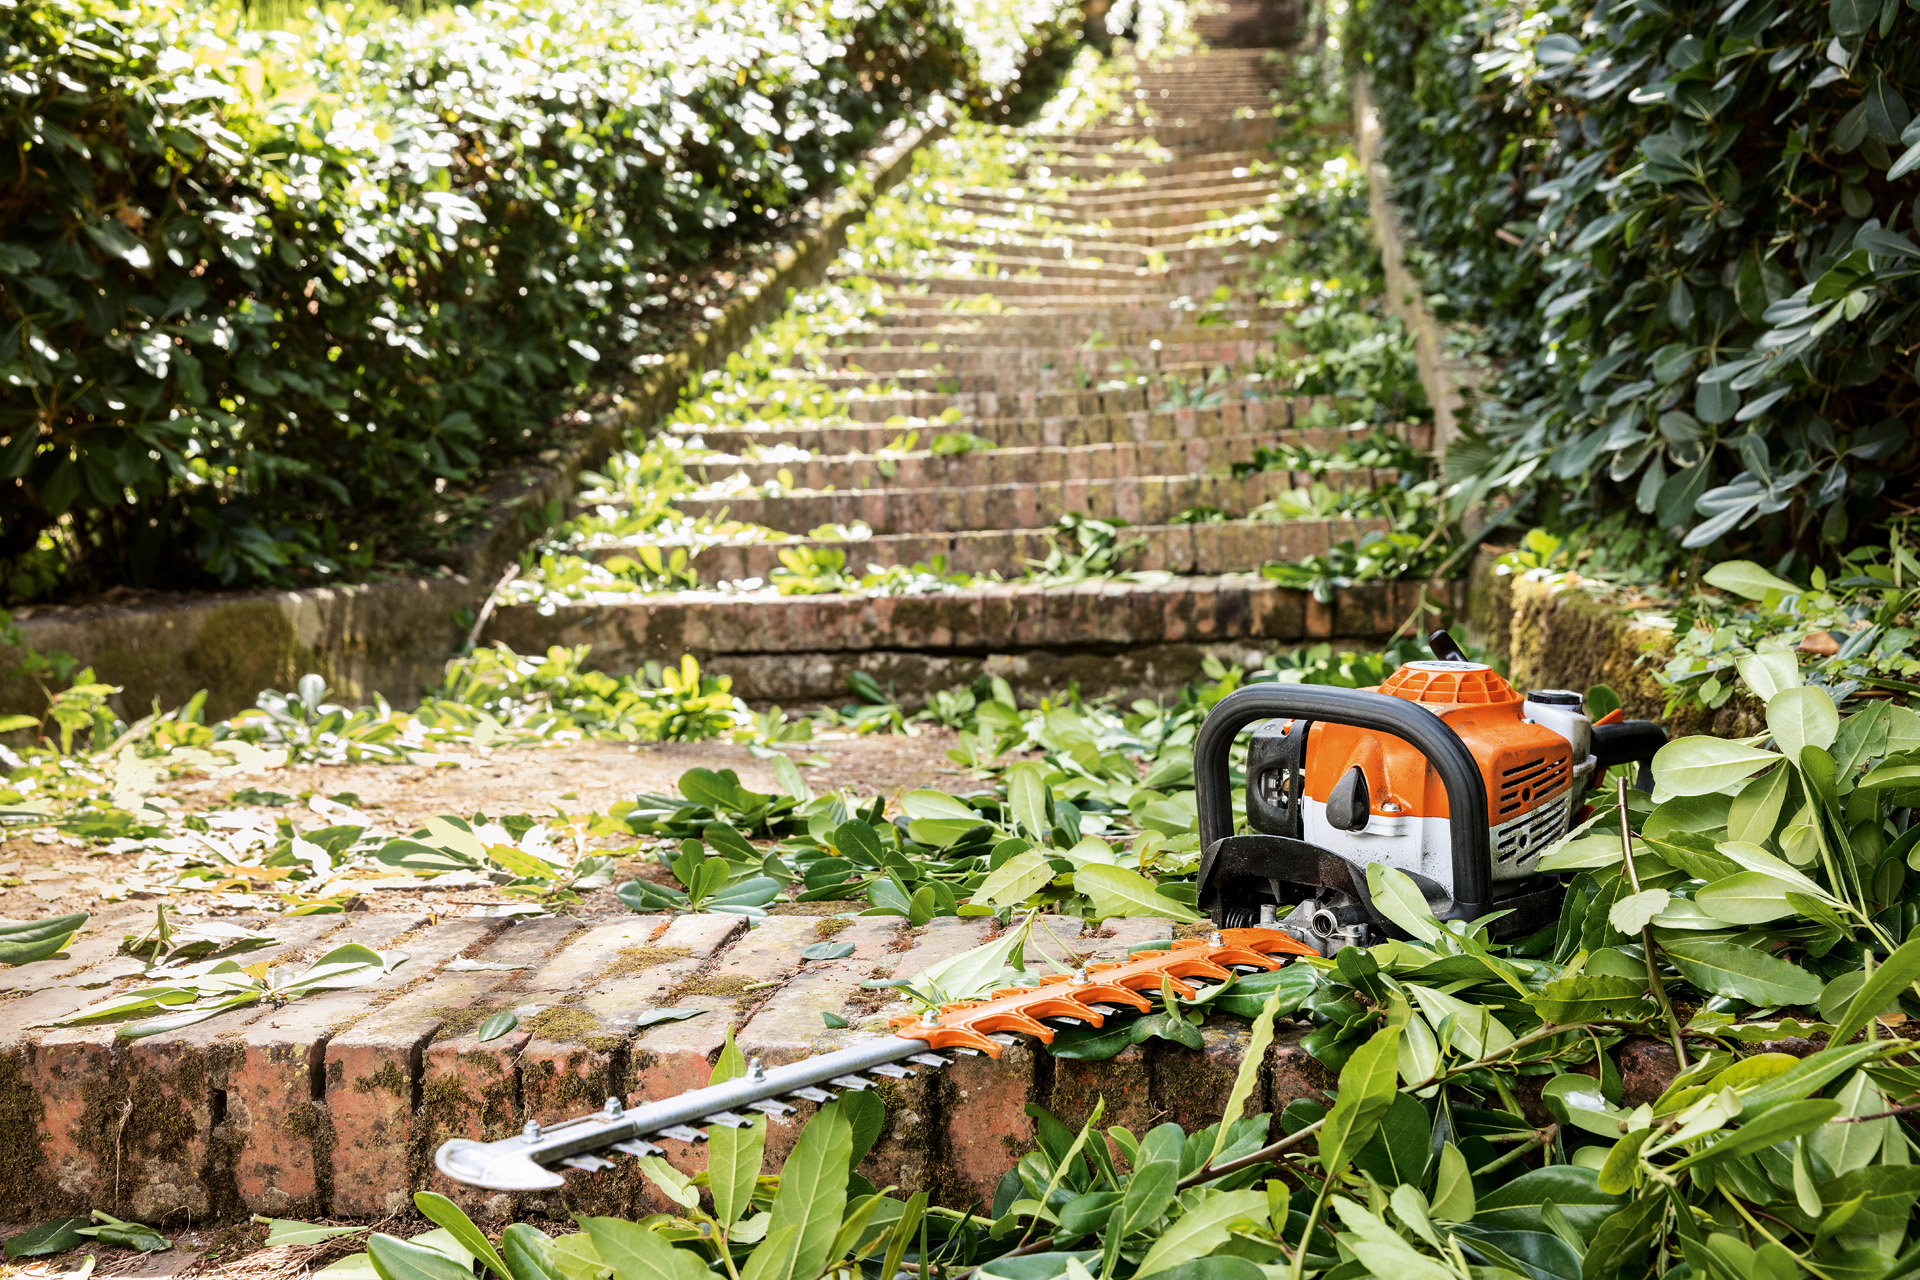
[(1686, 229), (270, 300)]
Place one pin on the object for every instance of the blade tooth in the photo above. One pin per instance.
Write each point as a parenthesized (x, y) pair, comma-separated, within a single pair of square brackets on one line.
[(812, 1094), (1004, 1040), (771, 1107), (683, 1133), (638, 1147), (727, 1118), (971, 1053), (1071, 1022), (587, 1163), (851, 1082), (892, 1071), (930, 1060)]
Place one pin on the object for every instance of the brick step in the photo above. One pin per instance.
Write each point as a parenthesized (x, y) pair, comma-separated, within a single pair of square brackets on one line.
[(1091, 203), (1146, 499), (331, 1106), (1078, 164), (1225, 546), (1111, 637), (1031, 403), (1047, 334), (922, 469), (1156, 224), (1101, 248), (999, 383), (1224, 349), (1182, 132), (1274, 417), (1138, 289), (905, 310), (995, 330)]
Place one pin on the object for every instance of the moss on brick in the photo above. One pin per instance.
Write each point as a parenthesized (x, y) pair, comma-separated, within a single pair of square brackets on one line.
[(831, 928), (562, 1024), (23, 1164), (631, 960), (390, 1077)]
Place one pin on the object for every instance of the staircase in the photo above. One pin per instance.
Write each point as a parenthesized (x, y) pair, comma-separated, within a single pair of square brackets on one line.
[(1084, 333)]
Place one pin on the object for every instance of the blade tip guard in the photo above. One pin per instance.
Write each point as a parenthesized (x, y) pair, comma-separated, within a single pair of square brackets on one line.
[(473, 1163)]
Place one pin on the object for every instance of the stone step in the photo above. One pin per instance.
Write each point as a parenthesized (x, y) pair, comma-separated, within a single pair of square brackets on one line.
[(1130, 639), (1030, 404), (1217, 547), (1027, 504), (1002, 384), (923, 469), (1075, 289), (1224, 347), (994, 331), (909, 311), (1272, 418)]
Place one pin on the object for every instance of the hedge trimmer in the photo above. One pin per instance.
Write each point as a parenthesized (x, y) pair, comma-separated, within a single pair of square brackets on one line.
[(1089, 995)]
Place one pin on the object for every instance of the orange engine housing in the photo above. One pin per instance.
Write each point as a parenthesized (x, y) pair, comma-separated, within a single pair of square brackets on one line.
[(1528, 770)]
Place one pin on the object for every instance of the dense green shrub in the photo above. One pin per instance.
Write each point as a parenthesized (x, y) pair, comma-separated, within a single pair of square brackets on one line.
[(1687, 229), (265, 295)]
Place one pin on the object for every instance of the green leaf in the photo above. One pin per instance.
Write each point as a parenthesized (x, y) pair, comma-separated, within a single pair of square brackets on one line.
[(1015, 880), (1148, 1193), (1565, 1001), (38, 939), (496, 1026), (1695, 766), (733, 1167), (395, 1259), (1887, 1193), (1890, 977), (654, 1017), (57, 1236), (1852, 18), (1252, 1062), (1399, 899), (704, 786), (1620, 1170), (1203, 1228), (528, 1253), (1027, 797), (1746, 898), (1630, 914), (826, 951), (289, 1231), (1367, 1087), (1801, 718), (1517, 1204), (1745, 973), (1745, 578), (446, 1215), (635, 1252), (813, 1192), (1115, 891)]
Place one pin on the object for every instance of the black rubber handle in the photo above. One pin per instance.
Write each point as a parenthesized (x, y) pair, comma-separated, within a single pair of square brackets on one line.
[(1627, 742), (1472, 887)]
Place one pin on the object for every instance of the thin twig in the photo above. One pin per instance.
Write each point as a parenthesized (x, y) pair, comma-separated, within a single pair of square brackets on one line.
[(1654, 982), (1540, 1138)]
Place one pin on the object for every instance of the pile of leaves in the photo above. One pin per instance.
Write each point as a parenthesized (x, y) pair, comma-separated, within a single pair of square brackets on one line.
[(1687, 231), (266, 294)]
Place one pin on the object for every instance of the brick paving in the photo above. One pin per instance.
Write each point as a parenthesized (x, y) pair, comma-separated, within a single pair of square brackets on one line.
[(1013, 334), (332, 1105)]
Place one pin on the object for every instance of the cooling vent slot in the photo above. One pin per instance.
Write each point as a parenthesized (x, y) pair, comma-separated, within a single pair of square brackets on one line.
[(1518, 843), (1520, 785)]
